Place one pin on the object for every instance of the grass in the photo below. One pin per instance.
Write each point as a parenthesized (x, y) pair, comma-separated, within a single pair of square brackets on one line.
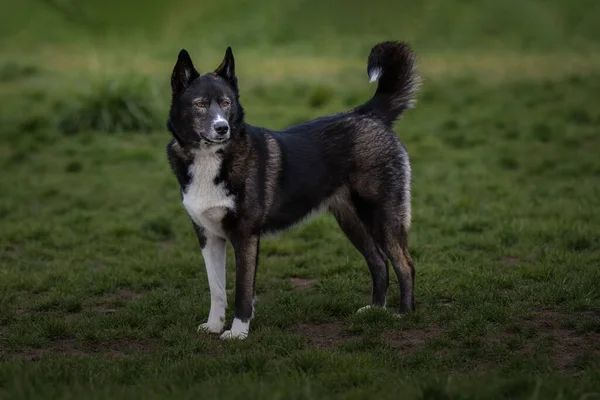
[(102, 284), (112, 106)]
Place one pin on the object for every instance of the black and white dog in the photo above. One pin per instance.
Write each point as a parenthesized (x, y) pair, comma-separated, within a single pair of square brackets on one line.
[(239, 181)]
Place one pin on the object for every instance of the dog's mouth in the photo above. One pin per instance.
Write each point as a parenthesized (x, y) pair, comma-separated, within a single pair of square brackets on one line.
[(213, 141), (207, 142)]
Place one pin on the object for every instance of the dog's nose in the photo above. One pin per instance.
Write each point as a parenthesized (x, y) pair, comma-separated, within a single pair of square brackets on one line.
[(221, 127)]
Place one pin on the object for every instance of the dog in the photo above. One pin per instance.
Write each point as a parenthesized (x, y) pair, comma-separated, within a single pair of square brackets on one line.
[(239, 182)]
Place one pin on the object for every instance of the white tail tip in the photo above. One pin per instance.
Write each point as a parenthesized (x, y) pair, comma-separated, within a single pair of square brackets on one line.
[(374, 74)]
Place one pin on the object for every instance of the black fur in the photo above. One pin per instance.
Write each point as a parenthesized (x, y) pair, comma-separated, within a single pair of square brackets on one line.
[(350, 163), (398, 81)]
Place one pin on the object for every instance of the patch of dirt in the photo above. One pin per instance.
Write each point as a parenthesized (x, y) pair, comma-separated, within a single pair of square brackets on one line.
[(124, 294), (510, 260), (568, 344), (558, 329), (12, 252), (108, 303), (97, 266), (303, 283), (168, 243), (410, 340), (330, 335), (104, 310), (73, 347), (322, 336)]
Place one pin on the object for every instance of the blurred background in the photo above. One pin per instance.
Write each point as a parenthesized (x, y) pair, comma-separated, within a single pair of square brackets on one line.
[(63, 47), (57, 49)]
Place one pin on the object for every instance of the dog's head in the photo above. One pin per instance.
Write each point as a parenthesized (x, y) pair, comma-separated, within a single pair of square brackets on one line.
[(205, 109)]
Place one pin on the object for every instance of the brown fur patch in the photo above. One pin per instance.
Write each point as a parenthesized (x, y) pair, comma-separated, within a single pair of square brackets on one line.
[(273, 171)]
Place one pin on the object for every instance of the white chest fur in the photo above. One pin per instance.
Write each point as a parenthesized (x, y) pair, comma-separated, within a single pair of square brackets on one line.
[(205, 202)]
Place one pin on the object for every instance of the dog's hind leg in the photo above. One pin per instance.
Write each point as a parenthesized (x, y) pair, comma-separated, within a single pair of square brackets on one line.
[(396, 248), (355, 230)]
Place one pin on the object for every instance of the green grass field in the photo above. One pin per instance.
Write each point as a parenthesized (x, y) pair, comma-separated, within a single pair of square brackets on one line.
[(102, 283)]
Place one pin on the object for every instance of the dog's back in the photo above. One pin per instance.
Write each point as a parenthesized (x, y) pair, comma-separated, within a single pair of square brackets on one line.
[(355, 153)]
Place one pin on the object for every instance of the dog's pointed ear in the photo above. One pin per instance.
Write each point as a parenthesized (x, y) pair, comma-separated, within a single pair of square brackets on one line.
[(183, 73), (227, 68)]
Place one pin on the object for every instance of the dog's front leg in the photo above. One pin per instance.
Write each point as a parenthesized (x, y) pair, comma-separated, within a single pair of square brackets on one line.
[(246, 260), (213, 252)]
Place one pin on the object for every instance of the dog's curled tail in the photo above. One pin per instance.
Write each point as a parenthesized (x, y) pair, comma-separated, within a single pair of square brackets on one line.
[(394, 65)]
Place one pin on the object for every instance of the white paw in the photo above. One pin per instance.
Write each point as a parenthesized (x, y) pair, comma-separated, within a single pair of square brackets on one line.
[(239, 330), (369, 307), (231, 335), (211, 326), (363, 309)]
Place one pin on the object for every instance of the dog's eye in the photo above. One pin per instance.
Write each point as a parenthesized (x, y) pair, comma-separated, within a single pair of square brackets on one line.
[(200, 104), (225, 103)]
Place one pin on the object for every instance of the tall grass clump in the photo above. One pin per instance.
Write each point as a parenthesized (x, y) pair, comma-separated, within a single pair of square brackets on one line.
[(113, 105), (12, 71)]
